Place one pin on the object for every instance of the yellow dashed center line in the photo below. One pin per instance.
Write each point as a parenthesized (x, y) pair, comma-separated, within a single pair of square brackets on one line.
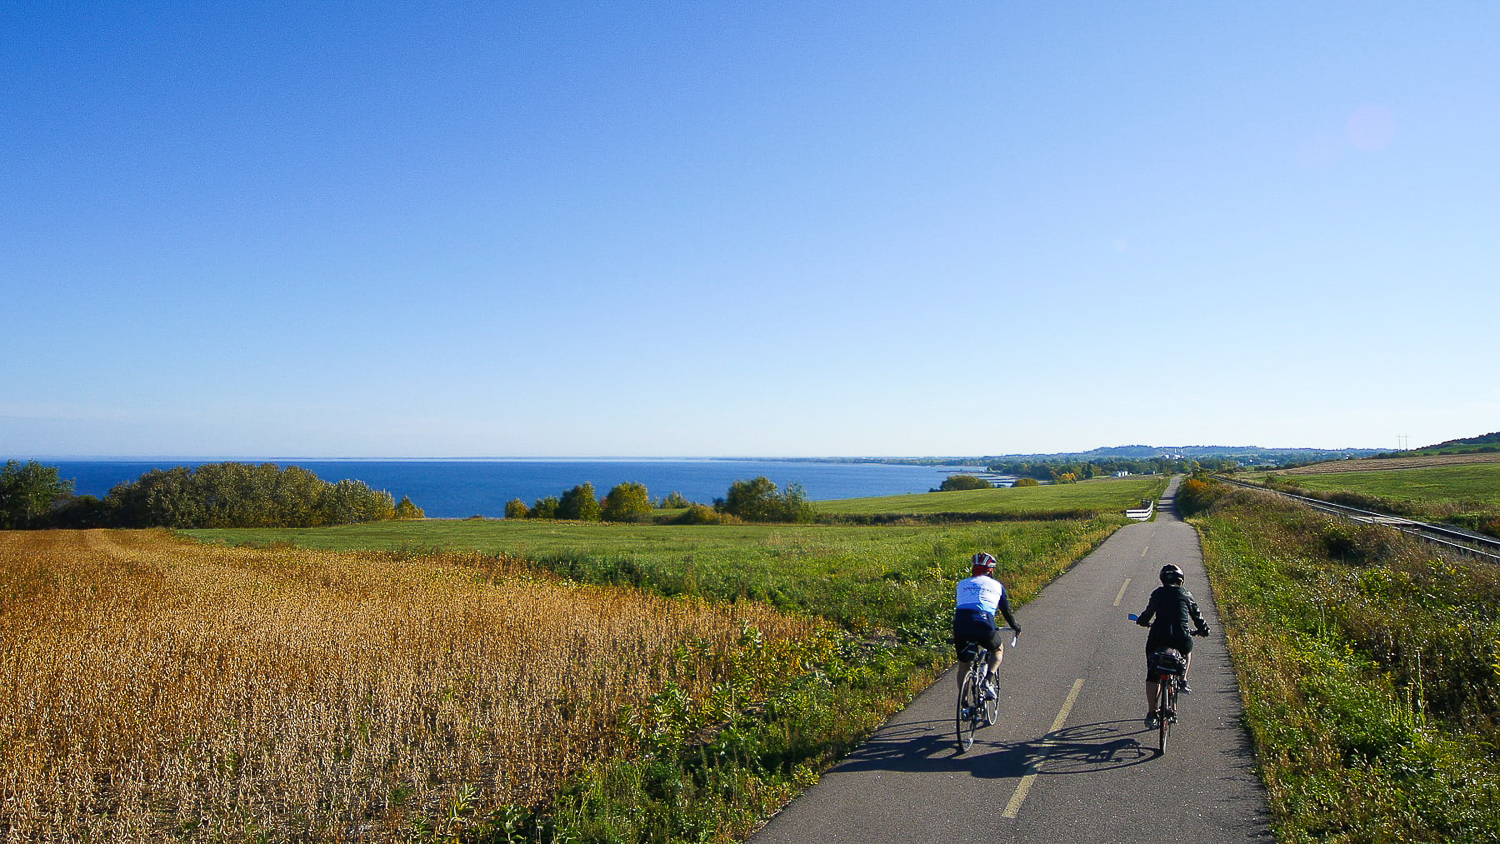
[(1013, 808), (1123, 587)]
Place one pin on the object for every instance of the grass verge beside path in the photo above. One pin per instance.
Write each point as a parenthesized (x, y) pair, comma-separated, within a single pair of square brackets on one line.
[(1370, 669), (711, 765)]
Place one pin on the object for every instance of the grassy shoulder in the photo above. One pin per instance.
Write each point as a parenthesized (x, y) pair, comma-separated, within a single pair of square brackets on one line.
[(1367, 663), (1098, 496)]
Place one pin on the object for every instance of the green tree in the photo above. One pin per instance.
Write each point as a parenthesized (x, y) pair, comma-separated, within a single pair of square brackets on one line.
[(579, 503), (627, 502), (517, 509), (28, 493), (795, 507), (545, 508), (351, 502), (81, 513), (1026, 482), (753, 500), (407, 510), (230, 495)]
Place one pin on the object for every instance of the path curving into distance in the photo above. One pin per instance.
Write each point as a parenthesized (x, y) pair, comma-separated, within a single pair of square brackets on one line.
[(1070, 759)]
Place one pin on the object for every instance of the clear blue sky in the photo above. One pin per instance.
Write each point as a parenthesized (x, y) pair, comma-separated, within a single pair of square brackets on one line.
[(714, 228)]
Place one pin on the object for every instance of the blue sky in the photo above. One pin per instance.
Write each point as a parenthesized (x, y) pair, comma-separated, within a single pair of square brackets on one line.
[(750, 229)]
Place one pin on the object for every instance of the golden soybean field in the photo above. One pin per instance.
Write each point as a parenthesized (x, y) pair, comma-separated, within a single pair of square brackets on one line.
[(154, 688)]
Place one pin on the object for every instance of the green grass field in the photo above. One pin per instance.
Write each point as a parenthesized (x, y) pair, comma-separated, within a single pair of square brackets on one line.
[(1101, 495), (1467, 482)]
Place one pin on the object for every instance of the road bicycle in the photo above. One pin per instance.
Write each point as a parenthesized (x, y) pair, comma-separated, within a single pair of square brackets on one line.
[(974, 709), (1169, 667)]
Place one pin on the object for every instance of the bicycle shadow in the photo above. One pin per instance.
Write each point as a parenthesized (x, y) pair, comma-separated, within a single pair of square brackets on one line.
[(924, 747)]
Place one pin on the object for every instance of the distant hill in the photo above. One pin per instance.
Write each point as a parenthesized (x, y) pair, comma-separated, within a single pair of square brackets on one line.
[(1483, 442), (1247, 454)]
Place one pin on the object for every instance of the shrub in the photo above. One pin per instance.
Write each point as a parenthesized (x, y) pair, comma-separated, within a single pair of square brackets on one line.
[(957, 482), (675, 501), (1026, 482), (517, 509), (544, 508), (702, 514), (1197, 494)]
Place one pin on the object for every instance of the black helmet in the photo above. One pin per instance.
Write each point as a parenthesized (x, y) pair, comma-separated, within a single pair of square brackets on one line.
[(1171, 574)]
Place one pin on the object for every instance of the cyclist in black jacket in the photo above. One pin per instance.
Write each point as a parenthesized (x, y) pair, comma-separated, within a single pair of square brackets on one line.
[(1172, 608)]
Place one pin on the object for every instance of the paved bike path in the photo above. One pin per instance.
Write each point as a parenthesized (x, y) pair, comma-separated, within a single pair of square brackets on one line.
[(1071, 759)]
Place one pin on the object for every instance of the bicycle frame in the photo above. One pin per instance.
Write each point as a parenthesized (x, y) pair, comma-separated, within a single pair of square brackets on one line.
[(972, 710)]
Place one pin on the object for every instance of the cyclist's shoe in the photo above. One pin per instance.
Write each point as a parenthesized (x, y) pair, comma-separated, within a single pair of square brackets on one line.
[(989, 691), (967, 713), (1172, 716), (1150, 720), (1183, 689)]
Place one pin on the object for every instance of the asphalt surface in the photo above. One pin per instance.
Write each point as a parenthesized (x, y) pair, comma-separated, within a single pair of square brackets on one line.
[(1071, 758)]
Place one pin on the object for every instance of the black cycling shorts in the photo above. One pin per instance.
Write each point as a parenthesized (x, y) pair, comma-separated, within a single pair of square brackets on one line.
[(967, 633)]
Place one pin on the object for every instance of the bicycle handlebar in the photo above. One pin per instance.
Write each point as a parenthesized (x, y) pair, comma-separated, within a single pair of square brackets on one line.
[(1137, 618)]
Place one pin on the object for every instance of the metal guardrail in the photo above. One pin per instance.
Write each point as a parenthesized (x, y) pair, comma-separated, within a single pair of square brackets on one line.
[(1142, 514), (1452, 538)]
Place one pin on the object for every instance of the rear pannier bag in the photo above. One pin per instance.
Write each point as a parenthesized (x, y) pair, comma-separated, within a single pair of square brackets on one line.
[(1169, 661)]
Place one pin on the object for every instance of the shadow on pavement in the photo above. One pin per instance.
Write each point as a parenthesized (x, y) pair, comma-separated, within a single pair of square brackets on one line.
[(924, 747)]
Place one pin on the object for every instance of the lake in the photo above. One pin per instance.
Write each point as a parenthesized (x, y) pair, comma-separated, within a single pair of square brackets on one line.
[(455, 489)]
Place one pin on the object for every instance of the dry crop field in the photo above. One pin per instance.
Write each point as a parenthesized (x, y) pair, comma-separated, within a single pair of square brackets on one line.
[(154, 688)]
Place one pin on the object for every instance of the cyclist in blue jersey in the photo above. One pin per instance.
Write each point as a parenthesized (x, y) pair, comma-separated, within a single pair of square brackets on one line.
[(978, 598)]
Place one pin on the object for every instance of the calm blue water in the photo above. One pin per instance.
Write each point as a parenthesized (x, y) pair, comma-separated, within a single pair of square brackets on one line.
[(454, 489)]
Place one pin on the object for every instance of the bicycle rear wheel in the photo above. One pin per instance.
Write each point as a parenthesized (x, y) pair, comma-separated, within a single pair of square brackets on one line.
[(966, 716), (1163, 716), (963, 714)]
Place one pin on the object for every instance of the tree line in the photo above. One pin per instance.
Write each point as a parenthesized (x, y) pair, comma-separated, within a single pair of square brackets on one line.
[(757, 500), (242, 495), (1055, 470), (213, 495)]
